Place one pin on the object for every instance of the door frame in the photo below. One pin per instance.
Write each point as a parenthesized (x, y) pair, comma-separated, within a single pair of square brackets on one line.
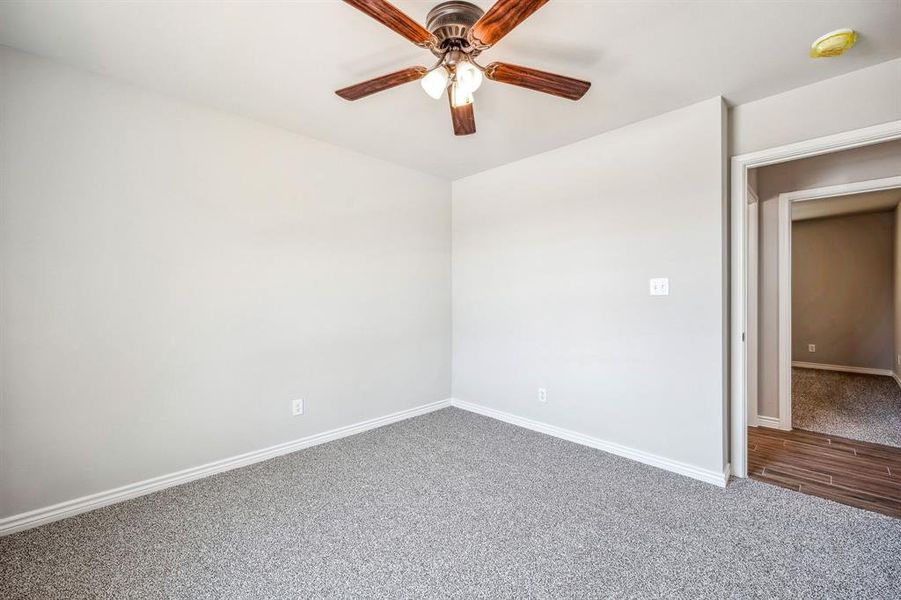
[(753, 304), (786, 200), (738, 370)]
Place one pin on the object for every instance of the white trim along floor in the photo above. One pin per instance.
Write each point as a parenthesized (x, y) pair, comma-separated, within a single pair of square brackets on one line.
[(86, 503)]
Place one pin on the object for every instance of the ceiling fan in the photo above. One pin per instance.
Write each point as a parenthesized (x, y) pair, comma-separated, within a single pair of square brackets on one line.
[(456, 33)]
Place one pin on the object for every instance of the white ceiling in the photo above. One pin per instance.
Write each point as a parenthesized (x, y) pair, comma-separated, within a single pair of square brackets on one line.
[(279, 62), (846, 205)]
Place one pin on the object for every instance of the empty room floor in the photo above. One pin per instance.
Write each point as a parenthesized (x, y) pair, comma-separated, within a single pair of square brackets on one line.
[(452, 504), (858, 407)]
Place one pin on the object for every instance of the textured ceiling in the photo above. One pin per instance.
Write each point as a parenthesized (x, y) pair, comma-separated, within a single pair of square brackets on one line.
[(279, 62)]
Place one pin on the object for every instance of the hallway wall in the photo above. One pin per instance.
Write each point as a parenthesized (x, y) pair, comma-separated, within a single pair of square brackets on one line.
[(843, 290)]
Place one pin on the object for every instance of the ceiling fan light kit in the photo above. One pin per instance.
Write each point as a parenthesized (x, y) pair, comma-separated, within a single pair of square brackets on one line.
[(456, 33)]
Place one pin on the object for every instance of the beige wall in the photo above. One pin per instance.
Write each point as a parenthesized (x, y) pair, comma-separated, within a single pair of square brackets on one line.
[(860, 164), (552, 257), (858, 99), (174, 276), (843, 290)]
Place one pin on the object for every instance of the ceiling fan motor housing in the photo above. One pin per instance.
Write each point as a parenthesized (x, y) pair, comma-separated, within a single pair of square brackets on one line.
[(450, 21)]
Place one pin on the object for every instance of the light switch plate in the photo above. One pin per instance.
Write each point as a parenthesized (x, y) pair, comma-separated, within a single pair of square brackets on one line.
[(660, 286)]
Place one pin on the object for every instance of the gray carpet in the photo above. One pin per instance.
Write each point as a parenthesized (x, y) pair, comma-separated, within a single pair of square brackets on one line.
[(452, 504), (860, 407)]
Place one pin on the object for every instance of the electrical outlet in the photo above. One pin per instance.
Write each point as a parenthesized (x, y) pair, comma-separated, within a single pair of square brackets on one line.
[(811, 347), (899, 360), (542, 395), (297, 407)]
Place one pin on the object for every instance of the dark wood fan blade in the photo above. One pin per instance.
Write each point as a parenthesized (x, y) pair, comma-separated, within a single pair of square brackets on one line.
[(379, 84), (540, 81), (500, 20), (389, 16), (464, 119)]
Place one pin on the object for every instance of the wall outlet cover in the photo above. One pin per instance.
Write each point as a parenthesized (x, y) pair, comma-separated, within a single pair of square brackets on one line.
[(660, 286), (542, 395), (811, 347), (297, 407)]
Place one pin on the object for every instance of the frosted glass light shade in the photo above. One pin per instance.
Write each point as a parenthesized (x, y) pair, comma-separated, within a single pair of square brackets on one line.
[(469, 76), (435, 82)]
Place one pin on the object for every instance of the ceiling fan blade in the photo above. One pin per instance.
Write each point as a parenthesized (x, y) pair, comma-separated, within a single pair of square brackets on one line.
[(500, 20), (540, 81), (379, 84), (463, 117), (388, 15)]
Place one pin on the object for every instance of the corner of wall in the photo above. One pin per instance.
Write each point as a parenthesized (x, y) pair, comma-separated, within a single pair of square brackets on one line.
[(896, 359), (726, 273)]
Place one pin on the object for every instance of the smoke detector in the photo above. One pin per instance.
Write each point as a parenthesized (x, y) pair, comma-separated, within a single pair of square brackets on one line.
[(834, 43)]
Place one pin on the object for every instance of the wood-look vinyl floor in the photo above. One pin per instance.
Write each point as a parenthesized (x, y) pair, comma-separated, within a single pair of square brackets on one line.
[(860, 474)]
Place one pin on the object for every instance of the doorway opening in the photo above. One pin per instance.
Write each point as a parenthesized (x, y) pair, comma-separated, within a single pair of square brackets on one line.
[(799, 433), (836, 431), (839, 331)]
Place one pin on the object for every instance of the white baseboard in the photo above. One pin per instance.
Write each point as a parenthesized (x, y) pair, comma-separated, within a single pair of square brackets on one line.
[(843, 368), (771, 422), (719, 478), (71, 508), (896, 378)]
